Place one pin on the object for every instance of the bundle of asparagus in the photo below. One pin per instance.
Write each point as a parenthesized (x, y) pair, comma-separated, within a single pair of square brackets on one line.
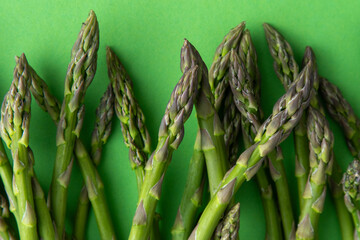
[(228, 108)]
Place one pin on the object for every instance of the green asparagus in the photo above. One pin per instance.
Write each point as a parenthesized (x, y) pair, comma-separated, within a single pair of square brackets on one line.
[(171, 133), (132, 120), (286, 114), (351, 189), (321, 142), (212, 133), (80, 74), (246, 90), (100, 134), (15, 121), (342, 112), (287, 70)]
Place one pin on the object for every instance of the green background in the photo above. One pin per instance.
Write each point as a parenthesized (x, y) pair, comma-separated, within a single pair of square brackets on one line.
[(148, 35)]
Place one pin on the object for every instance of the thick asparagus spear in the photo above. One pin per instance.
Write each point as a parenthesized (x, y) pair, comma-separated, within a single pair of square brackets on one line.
[(342, 112), (246, 92), (212, 139), (321, 142), (287, 70), (15, 120), (185, 219), (100, 134), (132, 120), (171, 133), (351, 182), (80, 74), (228, 229), (286, 114)]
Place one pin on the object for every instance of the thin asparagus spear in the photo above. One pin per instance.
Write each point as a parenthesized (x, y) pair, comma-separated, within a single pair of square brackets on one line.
[(212, 139), (191, 199), (334, 180), (321, 142), (6, 232), (6, 174), (286, 114), (246, 92), (101, 132), (15, 120), (95, 189), (80, 74), (171, 133), (51, 105), (219, 84), (218, 72), (351, 189), (132, 119), (287, 70), (342, 112)]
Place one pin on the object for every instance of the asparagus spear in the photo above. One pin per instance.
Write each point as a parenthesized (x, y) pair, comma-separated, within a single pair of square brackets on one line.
[(334, 180), (212, 139), (321, 142), (6, 233), (191, 199), (286, 114), (6, 174), (244, 83), (15, 120), (132, 120), (192, 196), (246, 92), (100, 134), (342, 112), (228, 229), (51, 105), (287, 70), (351, 190), (80, 74), (171, 133), (219, 84)]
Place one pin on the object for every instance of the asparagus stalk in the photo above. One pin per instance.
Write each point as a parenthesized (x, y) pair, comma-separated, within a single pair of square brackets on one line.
[(228, 229), (351, 190), (219, 84), (334, 180), (212, 139), (246, 90), (95, 189), (132, 119), (171, 133), (80, 74), (51, 105), (6, 174), (287, 70), (286, 114), (100, 135), (342, 112), (15, 120), (6, 233), (321, 142), (190, 202), (191, 199)]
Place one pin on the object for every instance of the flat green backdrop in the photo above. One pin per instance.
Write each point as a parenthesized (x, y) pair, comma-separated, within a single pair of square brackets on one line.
[(148, 35)]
